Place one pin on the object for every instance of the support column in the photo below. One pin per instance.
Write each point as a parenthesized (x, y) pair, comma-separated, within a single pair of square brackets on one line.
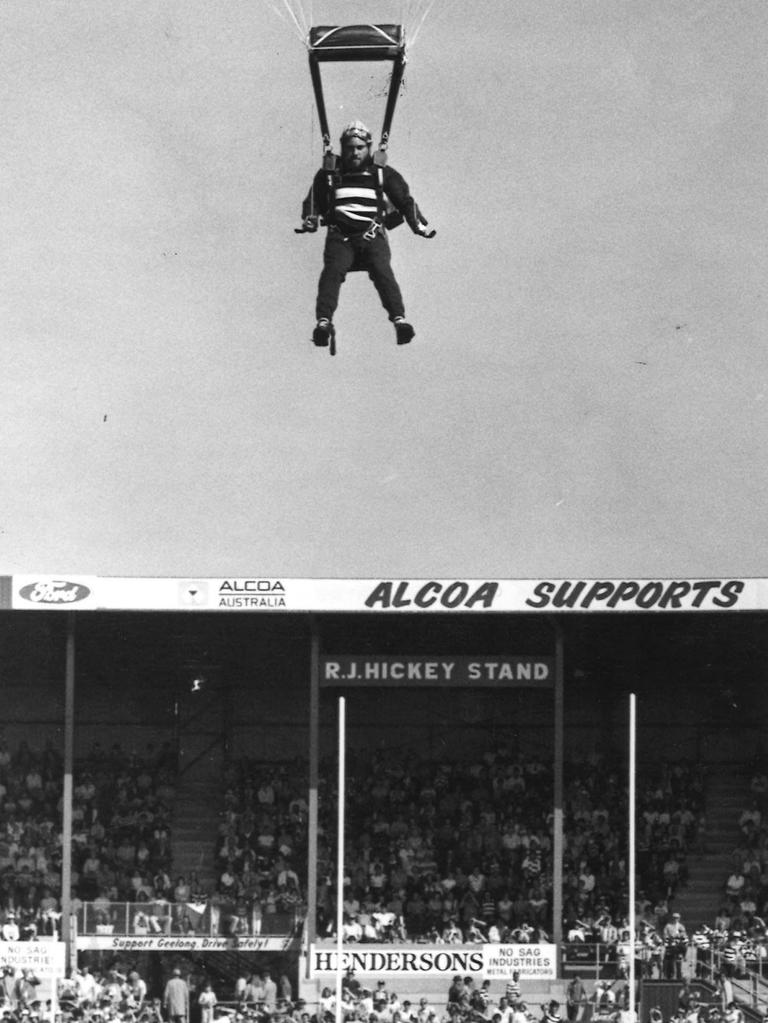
[(557, 842), (314, 771), (632, 1000), (69, 746)]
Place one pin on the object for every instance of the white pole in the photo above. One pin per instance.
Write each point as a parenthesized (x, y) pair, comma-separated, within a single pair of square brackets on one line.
[(69, 760), (340, 859), (631, 855)]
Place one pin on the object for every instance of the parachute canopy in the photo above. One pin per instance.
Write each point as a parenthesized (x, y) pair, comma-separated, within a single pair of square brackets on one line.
[(356, 42), (303, 15)]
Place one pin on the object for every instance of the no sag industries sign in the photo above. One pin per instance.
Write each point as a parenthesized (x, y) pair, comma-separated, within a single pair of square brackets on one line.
[(45, 958)]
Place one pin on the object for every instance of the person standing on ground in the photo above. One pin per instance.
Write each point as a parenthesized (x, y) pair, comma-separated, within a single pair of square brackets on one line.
[(176, 998), (576, 996), (207, 1002)]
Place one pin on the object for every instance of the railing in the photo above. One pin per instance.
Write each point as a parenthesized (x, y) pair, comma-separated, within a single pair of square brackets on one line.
[(590, 959), (748, 978), (210, 919), (255, 1010), (600, 961)]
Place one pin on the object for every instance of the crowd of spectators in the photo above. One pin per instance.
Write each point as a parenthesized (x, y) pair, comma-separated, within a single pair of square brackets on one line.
[(466, 1001), (121, 824), (463, 850), (451, 851), (745, 892), (738, 937), (456, 850), (121, 846), (261, 847), (30, 840)]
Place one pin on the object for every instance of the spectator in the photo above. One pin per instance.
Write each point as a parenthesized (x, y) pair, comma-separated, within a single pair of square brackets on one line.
[(576, 997), (207, 1002), (176, 998)]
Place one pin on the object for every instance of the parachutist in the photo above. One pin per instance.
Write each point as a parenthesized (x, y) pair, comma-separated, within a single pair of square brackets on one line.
[(359, 200)]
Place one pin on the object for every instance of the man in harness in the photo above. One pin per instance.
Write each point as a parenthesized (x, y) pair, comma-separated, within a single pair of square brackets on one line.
[(359, 200)]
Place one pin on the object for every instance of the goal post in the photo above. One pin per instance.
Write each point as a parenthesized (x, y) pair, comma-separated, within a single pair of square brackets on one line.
[(358, 672)]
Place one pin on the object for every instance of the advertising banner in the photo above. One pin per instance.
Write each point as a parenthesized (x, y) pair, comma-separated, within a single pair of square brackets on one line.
[(501, 961), (164, 943), (391, 960), (492, 962), (38, 592), (257, 593), (44, 958)]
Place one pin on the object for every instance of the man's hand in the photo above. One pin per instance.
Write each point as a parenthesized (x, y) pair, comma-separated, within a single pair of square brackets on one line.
[(421, 227), (308, 225), (416, 220)]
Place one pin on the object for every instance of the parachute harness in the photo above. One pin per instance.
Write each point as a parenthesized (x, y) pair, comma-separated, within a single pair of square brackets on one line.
[(357, 43)]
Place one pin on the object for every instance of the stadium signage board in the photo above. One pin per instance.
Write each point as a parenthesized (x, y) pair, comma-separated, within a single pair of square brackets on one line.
[(45, 958), (48, 592), (394, 960), (539, 961), (166, 943), (531, 672), (392, 596), (491, 961)]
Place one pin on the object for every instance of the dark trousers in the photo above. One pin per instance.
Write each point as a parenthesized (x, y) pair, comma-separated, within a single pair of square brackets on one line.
[(357, 253)]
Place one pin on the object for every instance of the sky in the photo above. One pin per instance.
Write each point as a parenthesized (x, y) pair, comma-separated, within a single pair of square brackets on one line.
[(586, 392)]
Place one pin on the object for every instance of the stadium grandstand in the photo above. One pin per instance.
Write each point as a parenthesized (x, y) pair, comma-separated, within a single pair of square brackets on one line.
[(170, 801)]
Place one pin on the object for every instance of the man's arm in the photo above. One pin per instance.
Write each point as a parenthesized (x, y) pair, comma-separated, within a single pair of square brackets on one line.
[(397, 191), (315, 203)]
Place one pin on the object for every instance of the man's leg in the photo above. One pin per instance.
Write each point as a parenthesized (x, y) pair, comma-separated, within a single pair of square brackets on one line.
[(338, 257), (379, 261)]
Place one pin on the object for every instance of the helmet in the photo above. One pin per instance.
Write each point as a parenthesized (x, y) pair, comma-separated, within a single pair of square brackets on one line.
[(356, 130)]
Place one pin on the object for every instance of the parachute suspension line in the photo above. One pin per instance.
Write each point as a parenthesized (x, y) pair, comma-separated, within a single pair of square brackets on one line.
[(423, 9), (419, 20), (284, 13), (289, 13)]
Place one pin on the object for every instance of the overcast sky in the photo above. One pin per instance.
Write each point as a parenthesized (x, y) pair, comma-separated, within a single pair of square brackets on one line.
[(586, 393)]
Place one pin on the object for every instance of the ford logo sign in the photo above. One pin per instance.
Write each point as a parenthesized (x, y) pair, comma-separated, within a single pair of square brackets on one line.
[(54, 591)]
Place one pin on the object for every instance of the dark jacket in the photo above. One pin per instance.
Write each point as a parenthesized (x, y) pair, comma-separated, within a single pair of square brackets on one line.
[(352, 200)]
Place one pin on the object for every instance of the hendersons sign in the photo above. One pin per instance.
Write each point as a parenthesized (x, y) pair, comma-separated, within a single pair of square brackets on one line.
[(494, 962), (529, 671)]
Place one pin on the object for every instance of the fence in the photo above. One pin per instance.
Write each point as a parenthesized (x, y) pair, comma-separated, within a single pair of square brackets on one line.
[(210, 919)]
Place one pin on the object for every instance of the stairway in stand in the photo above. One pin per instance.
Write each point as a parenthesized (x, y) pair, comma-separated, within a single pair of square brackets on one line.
[(196, 819), (727, 795)]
